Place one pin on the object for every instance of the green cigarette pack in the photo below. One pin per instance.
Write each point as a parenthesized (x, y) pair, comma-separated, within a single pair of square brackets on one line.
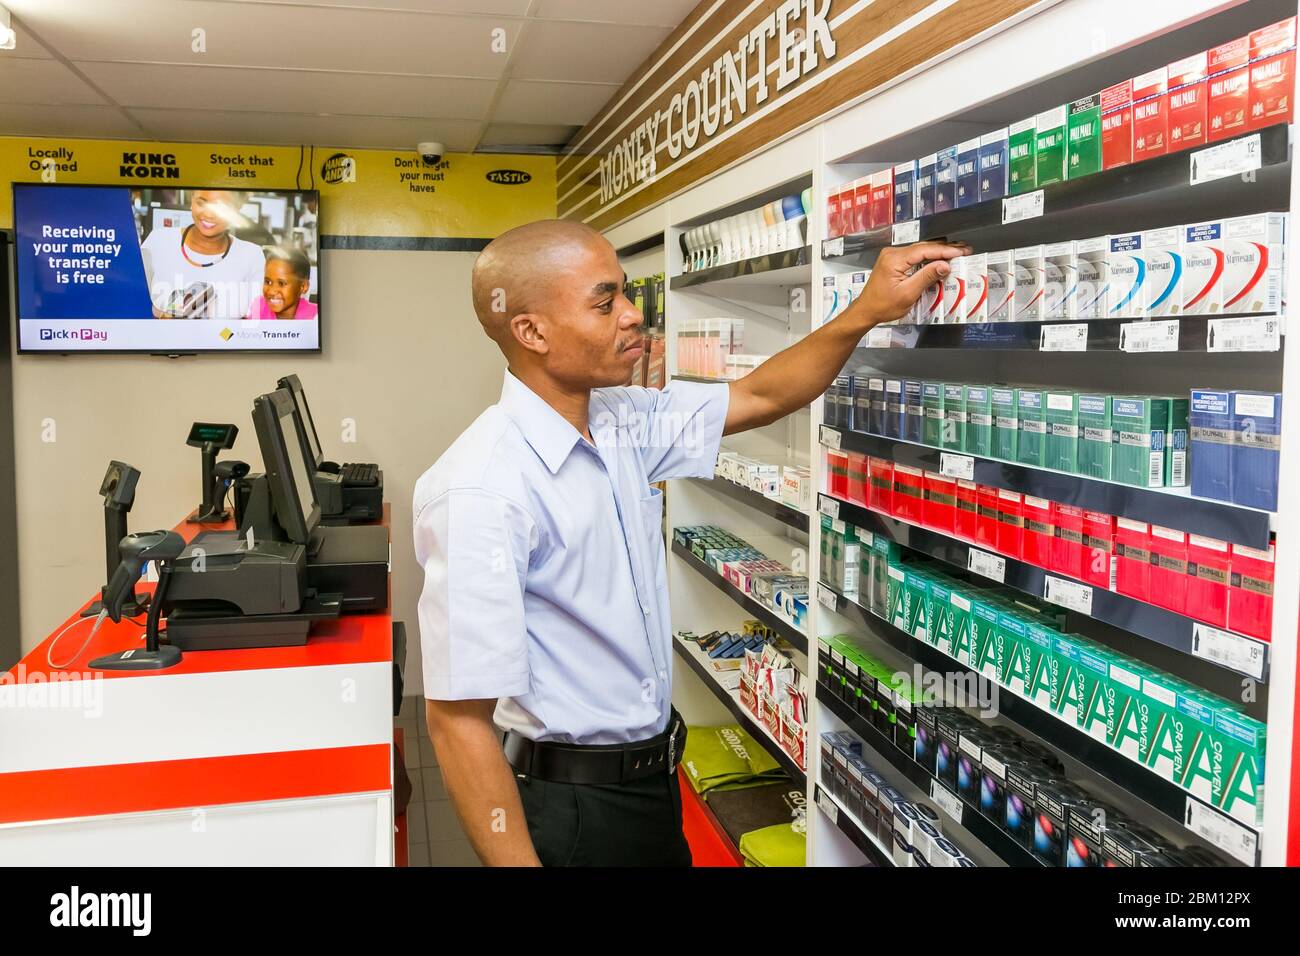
[(1032, 676), (896, 613), (1091, 675), (1033, 426), (932, 411), (1007, 640), (1237, 787), (916, 602), (979, 420), (1096, 436), (1062, 682), (1006, 423), (939, 615), (1021, 168), (954, 417), (1083, 137), (955, 639), (983, 647), (1049, 146), (1173, 714), (1126, 707), (1139, 456), (1176, 443), (1061, 449)]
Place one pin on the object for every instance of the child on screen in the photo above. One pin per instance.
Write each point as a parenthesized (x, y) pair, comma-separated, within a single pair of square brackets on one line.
[(284, 287)]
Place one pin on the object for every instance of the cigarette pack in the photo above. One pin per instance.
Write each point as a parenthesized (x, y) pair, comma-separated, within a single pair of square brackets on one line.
[(1209, 564), (986, 524), (848, 207), (834, 222), (1061, 679), (1203, 268), (940, 502), (1211, 434), (1061, 448), (913, 412), (1176, 439), (974, 270), (1001, 277), (1150, 114), (862, 205), (1035, 663), (1067, 539), (1011, 523), (954, 417), (904, 185), (1253, 257), (1117, 125), (1021, 166), (1169, 568), (1092, 677), (1060, 280), (876, 407), (880, 485), (1036, 541), (1093, 264), (968, 156), (1188, 101), (923, 192), (1272, 74), (893, 408), (945, 180), (1006, 423), (993, 165), (1126, 290), (1133, 558), (1083, 137), (1096, 436), (909, 493), (1030, 278), (979, 421), (1139, 455), (1250, 594), (966, 516), (954, 293), (1032, 414), (1256, 448), (858, 478), (837, 470), (1228, 89), (882, 198), (1049, 146), (932, 406), (1163, 249), (1098, 555)]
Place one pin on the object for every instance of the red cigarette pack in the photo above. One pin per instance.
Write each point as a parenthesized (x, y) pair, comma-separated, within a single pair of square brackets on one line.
[(986, 524), (862, 205), (882, 199), (837, 473), (1168, 585), (1187, 101), (1098, 552), (848, 214), (1117, 125), (834, 224), (1150, 114), (858, 479), (1208, 566), (940, 502), (1272, 73), (1250, 600), (880, 485), (1067, 539), (1011, 522), (1133, 558), (967, 511), (1036, 542), (909, 493), (1227, 89)]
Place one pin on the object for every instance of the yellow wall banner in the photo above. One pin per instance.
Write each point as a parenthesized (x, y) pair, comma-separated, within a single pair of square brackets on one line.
[(369, 198)]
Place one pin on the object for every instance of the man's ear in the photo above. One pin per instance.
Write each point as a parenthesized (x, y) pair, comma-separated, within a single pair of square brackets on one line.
[(529, 330)]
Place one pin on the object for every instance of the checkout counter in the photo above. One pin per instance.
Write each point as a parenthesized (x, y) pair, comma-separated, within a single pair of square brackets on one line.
[(242, 755)]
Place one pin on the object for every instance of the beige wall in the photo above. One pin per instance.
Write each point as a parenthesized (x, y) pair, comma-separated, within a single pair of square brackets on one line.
[(404, 357)]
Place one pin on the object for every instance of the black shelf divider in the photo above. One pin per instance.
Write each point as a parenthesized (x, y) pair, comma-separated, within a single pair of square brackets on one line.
[(1145, 620), (845, 823), (1203, 516), (1158, 191), (1163, 796), (772, 262), (748, 721), (792, 517), (997, 841), (1104, 335), (751, 607)]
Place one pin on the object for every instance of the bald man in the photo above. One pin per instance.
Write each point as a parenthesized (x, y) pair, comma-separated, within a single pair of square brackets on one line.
[(544, 610)]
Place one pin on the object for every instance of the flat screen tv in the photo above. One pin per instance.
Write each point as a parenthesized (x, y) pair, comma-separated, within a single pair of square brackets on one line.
[(134, 269)]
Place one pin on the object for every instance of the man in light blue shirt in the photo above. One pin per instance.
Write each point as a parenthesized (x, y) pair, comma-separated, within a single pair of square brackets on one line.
[(545, 606)]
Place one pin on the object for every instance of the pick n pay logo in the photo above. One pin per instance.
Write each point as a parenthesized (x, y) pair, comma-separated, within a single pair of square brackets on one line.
[(78, 335)]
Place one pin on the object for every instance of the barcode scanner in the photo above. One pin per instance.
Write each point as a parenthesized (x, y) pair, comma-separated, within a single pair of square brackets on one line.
[(137, 550)]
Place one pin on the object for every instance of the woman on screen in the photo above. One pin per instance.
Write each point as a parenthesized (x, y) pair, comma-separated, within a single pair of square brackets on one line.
[(285, 284), (203, 271)]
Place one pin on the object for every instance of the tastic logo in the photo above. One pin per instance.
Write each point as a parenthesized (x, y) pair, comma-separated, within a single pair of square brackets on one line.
[(508, 177)]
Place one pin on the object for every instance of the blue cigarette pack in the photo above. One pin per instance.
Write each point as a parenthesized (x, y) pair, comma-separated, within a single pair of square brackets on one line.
[(1256, 448), (993, 165), (923, 194), (968, 177), (904, 188), (894, 410), (876, 420), (945, 180), (913, 412), (1211, 427)]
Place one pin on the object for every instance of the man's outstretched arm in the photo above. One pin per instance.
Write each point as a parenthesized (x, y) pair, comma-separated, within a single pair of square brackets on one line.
[(791, 379)]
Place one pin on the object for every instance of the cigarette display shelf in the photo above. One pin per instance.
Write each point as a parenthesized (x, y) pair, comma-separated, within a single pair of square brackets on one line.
[(1173, 630), (994, 839), (753, 608), (788, 267), (699, 662), (1104, 335), (851, 827), (772, 507), (1167, 507), (1161, 795), (1149, 194)]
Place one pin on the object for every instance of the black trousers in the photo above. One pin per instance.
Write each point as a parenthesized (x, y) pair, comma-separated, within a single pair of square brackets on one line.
[(627, 824)]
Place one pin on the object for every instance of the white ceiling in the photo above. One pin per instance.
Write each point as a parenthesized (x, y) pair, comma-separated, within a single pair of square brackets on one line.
[(380, 74)]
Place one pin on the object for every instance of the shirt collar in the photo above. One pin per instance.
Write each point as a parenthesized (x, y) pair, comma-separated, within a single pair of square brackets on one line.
[(545, 429)]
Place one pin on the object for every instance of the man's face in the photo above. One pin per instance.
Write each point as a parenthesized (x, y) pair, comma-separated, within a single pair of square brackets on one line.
[(213, 211), (592, 329)]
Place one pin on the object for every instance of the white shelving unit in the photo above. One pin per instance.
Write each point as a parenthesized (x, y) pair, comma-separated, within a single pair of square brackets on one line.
[(1059, 52)]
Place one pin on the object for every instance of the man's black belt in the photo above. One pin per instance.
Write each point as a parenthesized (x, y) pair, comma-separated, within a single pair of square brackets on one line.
[(598, 763)]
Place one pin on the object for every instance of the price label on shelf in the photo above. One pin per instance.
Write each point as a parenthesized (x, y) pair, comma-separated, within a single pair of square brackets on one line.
[(906, 232), (1250, 333), (946, 800), (1070, 594), (827, 598), (830, 438), (827, 806), (832, 247), (1235, 651), (1226, 159), (987, 565), (880, 338), (1159, 336), (830, 507), (1233, 838), (1064, 337), (956, 466), (1025, 206)]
